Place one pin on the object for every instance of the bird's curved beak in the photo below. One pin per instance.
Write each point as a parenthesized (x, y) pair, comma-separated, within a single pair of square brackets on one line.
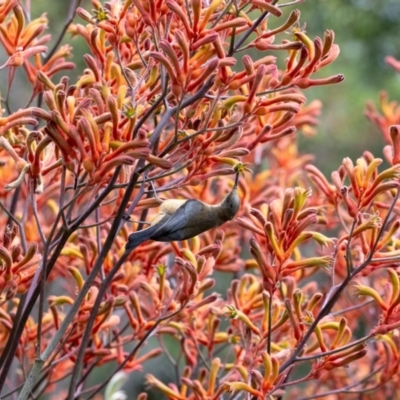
[(236, 180)]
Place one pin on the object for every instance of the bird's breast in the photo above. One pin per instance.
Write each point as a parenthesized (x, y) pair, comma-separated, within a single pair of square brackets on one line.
[(170, 206)]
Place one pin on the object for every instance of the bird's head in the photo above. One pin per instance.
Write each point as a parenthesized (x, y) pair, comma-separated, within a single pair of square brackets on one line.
[(230, 205)]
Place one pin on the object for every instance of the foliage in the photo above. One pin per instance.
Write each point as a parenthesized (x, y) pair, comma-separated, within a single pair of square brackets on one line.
[(167, 104)]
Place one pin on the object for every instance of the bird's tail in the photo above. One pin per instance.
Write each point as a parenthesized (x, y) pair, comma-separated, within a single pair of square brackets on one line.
[(136, 238)]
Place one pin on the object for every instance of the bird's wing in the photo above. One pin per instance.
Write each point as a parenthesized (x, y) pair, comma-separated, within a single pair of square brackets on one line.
[(167, 209), (136, 238), (171, 205), (177, 224), (184, 223)]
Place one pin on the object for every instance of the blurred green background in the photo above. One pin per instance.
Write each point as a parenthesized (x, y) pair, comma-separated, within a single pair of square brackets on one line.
[(366, 31)]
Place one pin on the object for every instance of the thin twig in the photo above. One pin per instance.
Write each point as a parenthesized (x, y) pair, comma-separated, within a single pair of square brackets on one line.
[(43, 278), (98, 240), (352, 308), (278, 89), (21, 229), (71, 15), (135, 40), (36, 216), (334, 351), (150, 111), (292, 3), (269, 325), (250, 30), (188, 12), (349, 261), (96, 224), (62, 195), (222, 13)]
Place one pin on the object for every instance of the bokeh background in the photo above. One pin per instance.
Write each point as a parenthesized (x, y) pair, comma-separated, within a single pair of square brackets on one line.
[(366, 30)]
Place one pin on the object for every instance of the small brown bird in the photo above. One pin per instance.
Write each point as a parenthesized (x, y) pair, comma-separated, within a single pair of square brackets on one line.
[(184, 219)]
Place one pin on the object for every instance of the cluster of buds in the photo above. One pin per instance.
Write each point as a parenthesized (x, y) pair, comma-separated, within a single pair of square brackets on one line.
[(281, 228), (23, 41), (18, 269)]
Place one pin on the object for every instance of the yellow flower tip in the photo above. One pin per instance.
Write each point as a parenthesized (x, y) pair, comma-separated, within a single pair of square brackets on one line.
[(362, 290), (160, 268), (232, 387), (231, 311)]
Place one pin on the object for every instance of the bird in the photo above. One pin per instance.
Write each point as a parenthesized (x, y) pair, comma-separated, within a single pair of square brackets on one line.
[(183, 219)]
